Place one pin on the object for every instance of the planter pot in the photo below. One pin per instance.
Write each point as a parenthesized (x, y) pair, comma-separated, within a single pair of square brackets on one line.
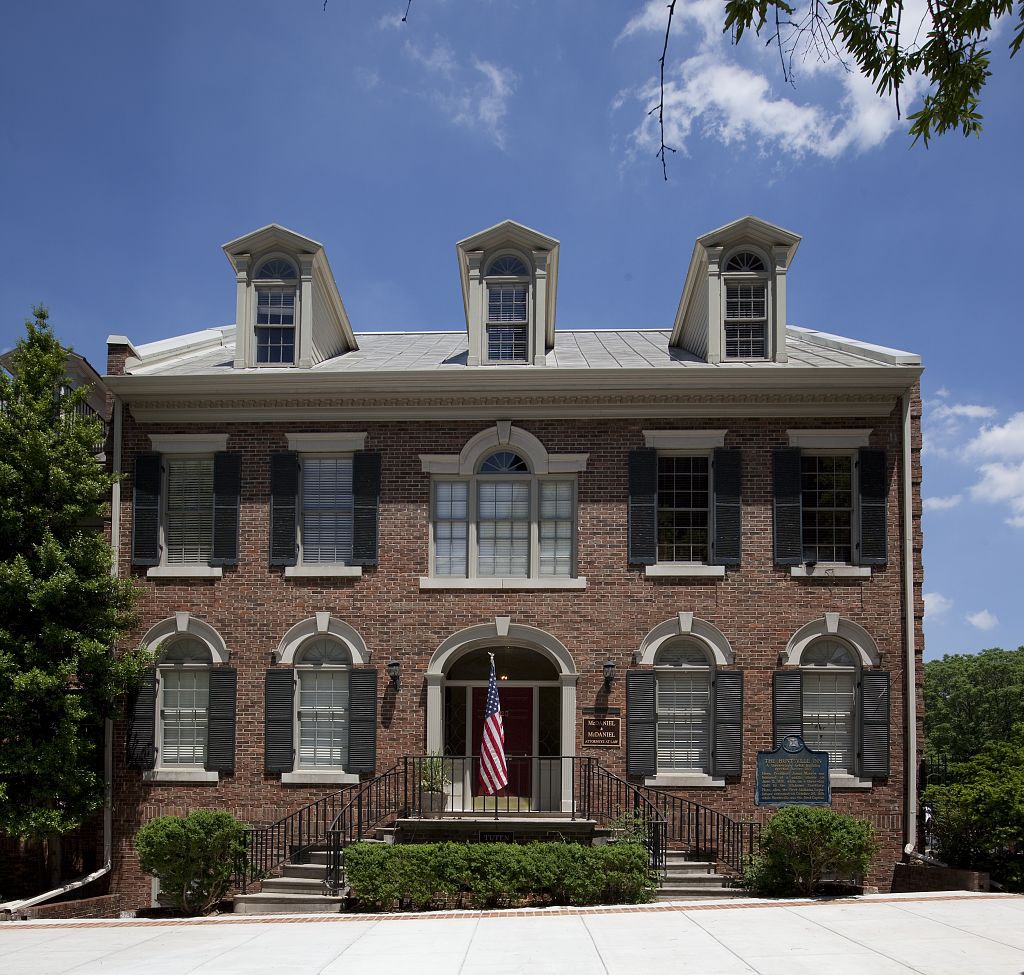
[(433, 802)]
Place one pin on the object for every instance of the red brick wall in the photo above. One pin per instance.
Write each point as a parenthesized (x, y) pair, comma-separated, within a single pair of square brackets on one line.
[(107, 905), (758, 607)]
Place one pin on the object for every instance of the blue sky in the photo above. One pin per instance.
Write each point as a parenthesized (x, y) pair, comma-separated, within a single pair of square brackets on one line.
[(138, 137)]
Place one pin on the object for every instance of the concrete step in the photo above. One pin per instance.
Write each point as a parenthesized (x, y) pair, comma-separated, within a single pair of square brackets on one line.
[(294, 885), (682, 892), (315, 871), (692, 880), (288, 904)]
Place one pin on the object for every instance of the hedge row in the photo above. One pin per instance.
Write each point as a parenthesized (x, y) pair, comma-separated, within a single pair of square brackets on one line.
[(385, 876)]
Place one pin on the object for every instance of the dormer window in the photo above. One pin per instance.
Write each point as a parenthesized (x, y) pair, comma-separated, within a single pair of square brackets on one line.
[(276, 288), (746, 306), (508, 310)]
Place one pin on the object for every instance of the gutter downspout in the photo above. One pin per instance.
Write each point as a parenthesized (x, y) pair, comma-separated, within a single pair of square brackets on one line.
[(11, 909), (910, 670)]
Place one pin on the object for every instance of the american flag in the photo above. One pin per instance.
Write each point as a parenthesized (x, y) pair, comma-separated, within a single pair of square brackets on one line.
[(493, 771)]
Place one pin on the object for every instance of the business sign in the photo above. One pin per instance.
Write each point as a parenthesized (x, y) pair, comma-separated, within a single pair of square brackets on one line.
[(602, 731), (792, 775)]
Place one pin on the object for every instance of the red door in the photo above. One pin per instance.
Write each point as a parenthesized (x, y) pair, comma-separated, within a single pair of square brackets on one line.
[(517, 720)]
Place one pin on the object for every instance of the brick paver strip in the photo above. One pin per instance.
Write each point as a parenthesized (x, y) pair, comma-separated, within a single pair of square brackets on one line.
[(681, 907)]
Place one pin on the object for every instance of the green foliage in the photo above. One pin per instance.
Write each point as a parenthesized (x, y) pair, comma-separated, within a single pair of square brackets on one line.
[(497, 874), (951, 57), (194, 856), (972, 700), (60, 609), (978, 819), (803, 845), (435, 773)]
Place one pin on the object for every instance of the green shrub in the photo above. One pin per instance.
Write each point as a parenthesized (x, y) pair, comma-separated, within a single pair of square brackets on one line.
[(803, 845), (194, 856), (497, 874)]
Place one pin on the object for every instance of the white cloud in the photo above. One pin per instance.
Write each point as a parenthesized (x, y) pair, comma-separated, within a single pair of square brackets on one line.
[(1002, 483), (942, 392), (711, 93), (1006, 440), (935, 604), (474, 95), (970, 411), (941, 504), (983, 620)]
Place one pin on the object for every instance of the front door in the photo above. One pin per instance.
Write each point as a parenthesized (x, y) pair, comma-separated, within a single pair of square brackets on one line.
[(517, 720)]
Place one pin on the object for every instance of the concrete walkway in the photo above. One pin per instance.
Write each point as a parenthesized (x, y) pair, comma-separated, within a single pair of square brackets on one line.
[(931, 934)]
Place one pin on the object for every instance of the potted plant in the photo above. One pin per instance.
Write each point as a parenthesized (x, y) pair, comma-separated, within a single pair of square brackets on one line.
[(435, 775)]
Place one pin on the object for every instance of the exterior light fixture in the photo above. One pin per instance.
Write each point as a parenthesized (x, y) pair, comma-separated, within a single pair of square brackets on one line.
[(394, 670), (609, 673)]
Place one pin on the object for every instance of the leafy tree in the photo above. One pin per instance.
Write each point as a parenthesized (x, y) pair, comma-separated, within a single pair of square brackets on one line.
[(60, 609), (950, 51), (978, 819), (972, 700)]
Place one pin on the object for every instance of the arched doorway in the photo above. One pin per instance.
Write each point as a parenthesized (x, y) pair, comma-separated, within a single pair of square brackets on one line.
[(537, 690)]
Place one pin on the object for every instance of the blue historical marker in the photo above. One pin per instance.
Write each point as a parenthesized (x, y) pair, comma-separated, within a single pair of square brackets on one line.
[(792, 775)]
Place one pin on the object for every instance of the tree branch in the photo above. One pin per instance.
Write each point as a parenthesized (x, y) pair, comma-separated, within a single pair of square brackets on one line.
[(660, 107)]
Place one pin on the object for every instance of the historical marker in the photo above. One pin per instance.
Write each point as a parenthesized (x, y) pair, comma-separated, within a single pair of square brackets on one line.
[(792, 775)]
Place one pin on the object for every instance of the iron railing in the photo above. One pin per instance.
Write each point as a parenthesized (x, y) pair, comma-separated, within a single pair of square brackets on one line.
[(267, 847), (704, 831)]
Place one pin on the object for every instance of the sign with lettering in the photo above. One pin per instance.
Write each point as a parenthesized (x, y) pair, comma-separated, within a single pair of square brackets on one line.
[(602, 732), (497, 837), (792, 775)]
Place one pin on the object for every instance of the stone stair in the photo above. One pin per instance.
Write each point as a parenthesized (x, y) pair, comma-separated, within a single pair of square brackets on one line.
[(299, 890), (686, 879)]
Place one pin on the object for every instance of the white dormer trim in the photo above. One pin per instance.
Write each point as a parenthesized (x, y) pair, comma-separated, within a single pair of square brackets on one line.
[(503, 434)]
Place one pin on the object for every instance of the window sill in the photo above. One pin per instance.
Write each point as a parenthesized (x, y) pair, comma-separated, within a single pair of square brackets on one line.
[(838, 780), (686, 780), (684, 569), (324, 571), (313, 777), (185, 572), (831, 570), (180, 775), (502, 582)]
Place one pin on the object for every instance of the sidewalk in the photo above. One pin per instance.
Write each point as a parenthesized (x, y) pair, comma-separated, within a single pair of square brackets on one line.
[(931, 934)]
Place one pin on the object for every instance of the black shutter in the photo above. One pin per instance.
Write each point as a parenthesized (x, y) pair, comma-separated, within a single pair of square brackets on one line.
[(366, 506), (641, 723), (362, 721), (788, 525), (643, 506), (873, 490), (787, 705), (142, 722), (874, 724), (284, 508), (220, 720), (279, 726), (227, 489), (146, 510), (728, 485), (728, 722)]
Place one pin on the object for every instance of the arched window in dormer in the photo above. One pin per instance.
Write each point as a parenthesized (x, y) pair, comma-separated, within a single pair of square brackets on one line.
[(276, 299), (746, 306), (508, 288), (745, 261)]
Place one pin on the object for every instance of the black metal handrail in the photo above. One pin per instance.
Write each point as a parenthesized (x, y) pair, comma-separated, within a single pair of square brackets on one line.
[(267, 847), (705, 831)]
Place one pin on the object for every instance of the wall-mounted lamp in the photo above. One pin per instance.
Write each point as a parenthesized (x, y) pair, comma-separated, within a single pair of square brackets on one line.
[(609, 673), (394, 670)]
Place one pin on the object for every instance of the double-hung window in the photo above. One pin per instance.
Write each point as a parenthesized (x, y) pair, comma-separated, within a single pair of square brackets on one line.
[(508, 310), (829, 684), (188, 525), (322, 705), (683, 709), (325, 526), (276, 306), (745, 307), (504, 522), (684, 512), (184, 694), (827, 507)]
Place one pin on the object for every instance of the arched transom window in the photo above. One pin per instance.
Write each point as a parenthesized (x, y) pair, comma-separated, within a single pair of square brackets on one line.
[(829, 684), (184, 675), (322, 669), (683, 673)]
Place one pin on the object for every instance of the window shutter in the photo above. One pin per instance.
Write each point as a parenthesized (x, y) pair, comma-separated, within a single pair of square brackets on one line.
[(728, 486), (728, 759), (362, 721), (641, 723), (874, 724), (873, 492), (279, 726), (789, 543), (220, 720), (366, 504), (146, 510), (643, 506), (227, 488), (787, 705), (142, 723), (284, 509)]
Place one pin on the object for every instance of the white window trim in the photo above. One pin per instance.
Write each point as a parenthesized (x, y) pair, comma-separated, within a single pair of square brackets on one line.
[(829, 440), (182, 570), (685, 780), (500, 279), (688, 443), (179, 773), (314, 775), (189, 443), (327, 443), (837, 570), (684, 441), (745, 277), (259, 284)]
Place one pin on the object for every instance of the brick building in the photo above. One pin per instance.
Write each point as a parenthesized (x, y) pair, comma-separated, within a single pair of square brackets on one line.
[(680, 544)]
